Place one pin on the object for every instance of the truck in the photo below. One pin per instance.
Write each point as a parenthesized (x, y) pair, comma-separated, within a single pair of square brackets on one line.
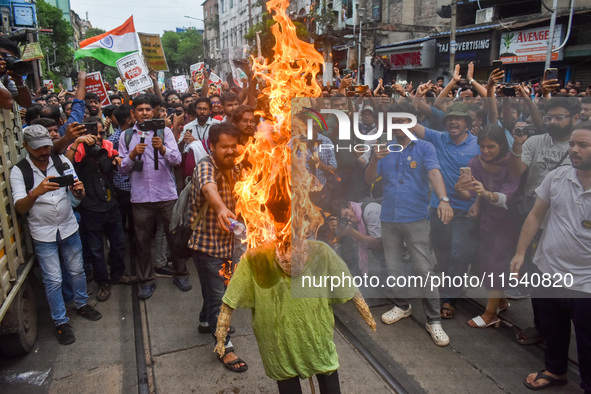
[(18, 311)]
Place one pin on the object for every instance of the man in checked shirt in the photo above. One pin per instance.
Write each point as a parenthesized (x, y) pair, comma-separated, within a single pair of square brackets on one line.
[(213, 184)]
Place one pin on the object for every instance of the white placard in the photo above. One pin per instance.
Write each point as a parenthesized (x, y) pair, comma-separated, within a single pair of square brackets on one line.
[(179, 83), (135, 73)]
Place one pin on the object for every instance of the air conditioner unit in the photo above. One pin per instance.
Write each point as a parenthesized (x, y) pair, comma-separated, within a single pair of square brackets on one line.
[(485, 15)]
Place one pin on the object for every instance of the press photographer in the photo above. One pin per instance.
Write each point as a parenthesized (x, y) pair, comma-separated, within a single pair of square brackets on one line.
[(12, 71), (95, 160)]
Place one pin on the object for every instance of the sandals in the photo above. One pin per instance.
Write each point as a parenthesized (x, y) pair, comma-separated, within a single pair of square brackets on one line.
[(233, 365), (480, 323), (503, 308), (447, 311), (529, 336), (552, 382)]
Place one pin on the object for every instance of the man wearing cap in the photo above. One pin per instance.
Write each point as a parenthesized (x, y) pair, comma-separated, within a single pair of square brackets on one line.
[(455, 243), (52, 224)]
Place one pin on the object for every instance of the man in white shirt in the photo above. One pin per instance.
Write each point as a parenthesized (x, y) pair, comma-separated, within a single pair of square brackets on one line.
[(563, 260), (52, 224), (197, 130)]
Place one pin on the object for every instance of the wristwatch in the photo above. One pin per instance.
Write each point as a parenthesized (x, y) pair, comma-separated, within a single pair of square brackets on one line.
[(444, 199)]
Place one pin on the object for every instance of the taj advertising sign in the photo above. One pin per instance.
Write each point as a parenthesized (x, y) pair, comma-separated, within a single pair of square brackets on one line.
[(531, 45)]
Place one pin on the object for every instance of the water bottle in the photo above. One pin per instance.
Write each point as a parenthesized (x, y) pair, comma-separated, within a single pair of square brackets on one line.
[(236, 227)]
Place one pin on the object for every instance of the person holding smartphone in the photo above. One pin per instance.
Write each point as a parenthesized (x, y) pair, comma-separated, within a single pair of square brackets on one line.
[(95, 160), (52, 224)]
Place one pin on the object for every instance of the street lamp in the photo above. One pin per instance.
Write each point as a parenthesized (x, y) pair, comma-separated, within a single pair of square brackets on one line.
[(360, 15), (49, 64)]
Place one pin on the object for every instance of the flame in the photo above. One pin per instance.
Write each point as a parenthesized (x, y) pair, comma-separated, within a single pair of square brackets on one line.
[(226, 271), (273, 189)]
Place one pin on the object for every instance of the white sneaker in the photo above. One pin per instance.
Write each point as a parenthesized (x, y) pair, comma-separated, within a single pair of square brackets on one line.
[(439, 336), (395, 314)]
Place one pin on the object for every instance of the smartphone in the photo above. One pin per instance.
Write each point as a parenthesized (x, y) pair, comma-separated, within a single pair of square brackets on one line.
[(63, 181), (497, 64), (91, 128), (170, 111), (466, 171), (551, 73), (509, 91), (151, 125)]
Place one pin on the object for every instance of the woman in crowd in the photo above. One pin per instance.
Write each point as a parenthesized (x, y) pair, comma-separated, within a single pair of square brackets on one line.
[(488, 178)]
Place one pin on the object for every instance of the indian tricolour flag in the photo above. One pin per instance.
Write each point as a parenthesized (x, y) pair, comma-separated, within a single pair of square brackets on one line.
[(111, 46)]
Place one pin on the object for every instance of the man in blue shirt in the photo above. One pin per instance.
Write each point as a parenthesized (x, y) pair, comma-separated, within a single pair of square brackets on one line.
[(406, 169), (455, 244)]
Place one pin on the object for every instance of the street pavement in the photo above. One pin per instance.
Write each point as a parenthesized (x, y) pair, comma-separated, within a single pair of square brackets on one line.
[(181, 360)]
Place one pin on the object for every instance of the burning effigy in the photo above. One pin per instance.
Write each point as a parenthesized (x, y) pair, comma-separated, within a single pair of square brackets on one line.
[(294, 333)]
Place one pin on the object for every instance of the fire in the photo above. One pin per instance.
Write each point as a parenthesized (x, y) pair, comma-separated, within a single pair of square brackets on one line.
[(270, 191)]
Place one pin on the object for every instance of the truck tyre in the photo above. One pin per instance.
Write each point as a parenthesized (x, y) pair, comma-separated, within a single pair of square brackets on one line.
[(21, 320)]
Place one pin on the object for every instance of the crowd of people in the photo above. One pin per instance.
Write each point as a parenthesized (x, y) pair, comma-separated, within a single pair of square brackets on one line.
[(486, 153)]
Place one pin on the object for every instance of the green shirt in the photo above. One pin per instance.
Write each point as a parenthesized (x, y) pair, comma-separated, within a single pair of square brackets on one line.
[(295, 335)]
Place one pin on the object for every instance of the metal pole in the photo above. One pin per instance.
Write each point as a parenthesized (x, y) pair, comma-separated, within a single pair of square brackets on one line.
[(359, 82), (552, 31), (452, 38)]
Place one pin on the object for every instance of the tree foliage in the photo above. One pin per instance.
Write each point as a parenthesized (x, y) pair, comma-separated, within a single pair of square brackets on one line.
[(91, 64), (182, 49), (50, 17)]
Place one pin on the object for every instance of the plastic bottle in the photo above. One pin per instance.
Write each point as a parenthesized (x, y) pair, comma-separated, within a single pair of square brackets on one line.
[(236, 227)]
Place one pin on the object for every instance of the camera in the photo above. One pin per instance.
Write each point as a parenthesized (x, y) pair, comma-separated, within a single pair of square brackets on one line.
[(528, 130), (16, 65), (343, 223), (151, 125)]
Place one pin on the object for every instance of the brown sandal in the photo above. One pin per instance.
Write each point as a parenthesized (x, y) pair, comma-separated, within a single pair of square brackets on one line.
[(447, 311)]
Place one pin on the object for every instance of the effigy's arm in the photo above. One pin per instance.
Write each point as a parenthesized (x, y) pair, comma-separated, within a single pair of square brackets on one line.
[(221, 331), (363, 309)]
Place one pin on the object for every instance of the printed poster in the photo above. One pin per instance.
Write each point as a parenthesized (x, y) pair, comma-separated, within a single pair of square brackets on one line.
[(153, 52), (179, 83), (215, 84), (197, 75), (48, 83), (134, 73), (531, 45), (94, 84)]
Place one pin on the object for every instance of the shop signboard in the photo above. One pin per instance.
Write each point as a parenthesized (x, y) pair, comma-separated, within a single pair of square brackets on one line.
[(531, 45), (469, 48), (409, 57)]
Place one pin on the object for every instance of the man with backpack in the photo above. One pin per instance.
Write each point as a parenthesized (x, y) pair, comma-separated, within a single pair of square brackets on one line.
[(94, 160), (37, 193), (148, 157), (406, 172)]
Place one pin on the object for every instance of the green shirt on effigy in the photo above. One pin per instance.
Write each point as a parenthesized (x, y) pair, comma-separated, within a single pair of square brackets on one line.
[(294, 335)]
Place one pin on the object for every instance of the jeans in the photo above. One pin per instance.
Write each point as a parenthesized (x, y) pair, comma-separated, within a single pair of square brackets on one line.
[(456, 247), (556, 315), (48, 256), (416, 237), (213, 287), (95, 225)]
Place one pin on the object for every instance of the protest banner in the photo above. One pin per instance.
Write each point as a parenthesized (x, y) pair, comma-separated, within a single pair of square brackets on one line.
[(153, 52), (134, 72), (94, 84), (161, 84), (48, 83), (31, 51), (197, 75), (237, 74), (179, 83), (120, 85), (215, 84)]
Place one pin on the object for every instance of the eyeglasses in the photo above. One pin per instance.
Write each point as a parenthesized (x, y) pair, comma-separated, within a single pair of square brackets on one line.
[(558, 118), (215, 102)]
